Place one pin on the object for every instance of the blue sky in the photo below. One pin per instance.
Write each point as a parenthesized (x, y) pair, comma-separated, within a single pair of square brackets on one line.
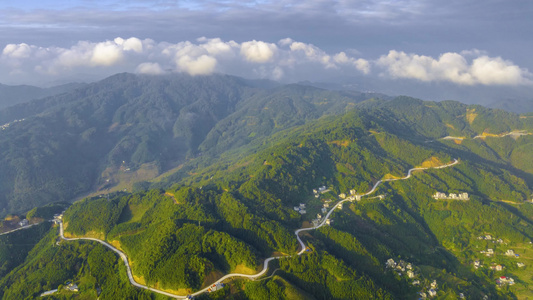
[(456, 42)]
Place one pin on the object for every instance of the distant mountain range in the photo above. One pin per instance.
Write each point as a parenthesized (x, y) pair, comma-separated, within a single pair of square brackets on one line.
[(12, 95)]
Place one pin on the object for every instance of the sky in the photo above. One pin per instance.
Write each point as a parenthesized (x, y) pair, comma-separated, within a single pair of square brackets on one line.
[(452, 44)]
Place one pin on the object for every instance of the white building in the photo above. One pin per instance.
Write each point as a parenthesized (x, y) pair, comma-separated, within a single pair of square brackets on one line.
[(452, 196), (432, 293)]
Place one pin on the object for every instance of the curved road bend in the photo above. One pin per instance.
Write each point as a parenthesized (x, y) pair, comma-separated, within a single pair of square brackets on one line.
[(265, 263)]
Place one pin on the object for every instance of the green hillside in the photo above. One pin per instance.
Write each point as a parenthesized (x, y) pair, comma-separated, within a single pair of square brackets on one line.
[(107, 135), (227, 210)]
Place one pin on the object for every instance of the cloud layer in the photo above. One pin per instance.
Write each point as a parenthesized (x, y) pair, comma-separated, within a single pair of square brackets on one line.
[(285, 59), (456, 68)]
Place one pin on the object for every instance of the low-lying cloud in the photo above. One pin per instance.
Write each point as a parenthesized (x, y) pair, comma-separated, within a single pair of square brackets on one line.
[(454, 67), (286, 59)]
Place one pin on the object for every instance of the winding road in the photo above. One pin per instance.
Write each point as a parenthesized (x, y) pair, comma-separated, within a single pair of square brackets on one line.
[(265, 264), (20, 228)]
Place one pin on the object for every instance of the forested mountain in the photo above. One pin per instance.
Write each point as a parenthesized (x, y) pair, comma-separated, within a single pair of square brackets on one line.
[(249, 154), (77, 142)]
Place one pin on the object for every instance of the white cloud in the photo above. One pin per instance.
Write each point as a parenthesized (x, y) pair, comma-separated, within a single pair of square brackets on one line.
[(133, 44), (454, 67), (360, 64), (17, 50), (287, 59), (202, 65), (149, 68), (107, 54), (258, 51)]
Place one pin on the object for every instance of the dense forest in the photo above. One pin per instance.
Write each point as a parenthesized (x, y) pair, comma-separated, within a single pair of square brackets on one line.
[(238, 203)]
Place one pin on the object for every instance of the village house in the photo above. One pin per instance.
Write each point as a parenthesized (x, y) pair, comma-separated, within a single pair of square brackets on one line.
[(477, 264), (329, 221), (353, 192), (23, 223), (302, 211), (434, 284), (342, 196), (505, 280), (410, 274), (357, 197), (390, 263), (451, 196), (319, 216), (72, 287), (432, 293), (510, 252), (324, 210), (520, 265)]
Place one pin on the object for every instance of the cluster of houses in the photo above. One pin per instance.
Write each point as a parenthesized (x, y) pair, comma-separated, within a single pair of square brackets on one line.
[(451, 196), (488, 237), (57, 218), (401, 267), (431, 292), (5, 126), (503, 280), (489, 252), (318, 220), (320, 190), (353, 196), (300, 209)]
